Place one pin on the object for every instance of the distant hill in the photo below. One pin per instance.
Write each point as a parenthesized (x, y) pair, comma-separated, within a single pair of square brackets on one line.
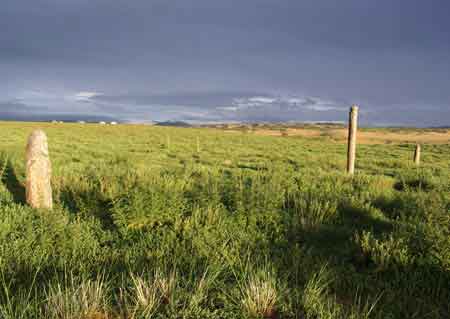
[(173, 123)]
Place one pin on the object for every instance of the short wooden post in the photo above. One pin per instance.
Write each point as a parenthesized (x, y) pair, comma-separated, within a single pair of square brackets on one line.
[(198, 144), (38, 171), (417, 155), (352, 128)]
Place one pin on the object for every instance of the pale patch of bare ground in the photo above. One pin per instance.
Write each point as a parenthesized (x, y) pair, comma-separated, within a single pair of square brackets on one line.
[(371, 136)]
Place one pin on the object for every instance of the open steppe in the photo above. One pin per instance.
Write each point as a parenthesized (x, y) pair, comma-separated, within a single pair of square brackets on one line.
[(166, 222)]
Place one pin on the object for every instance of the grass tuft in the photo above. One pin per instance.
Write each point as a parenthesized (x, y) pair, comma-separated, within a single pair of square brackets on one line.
[(260, 294), (85, 299)]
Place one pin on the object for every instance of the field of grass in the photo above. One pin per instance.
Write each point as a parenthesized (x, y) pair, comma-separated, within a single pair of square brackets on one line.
[(159, 222)]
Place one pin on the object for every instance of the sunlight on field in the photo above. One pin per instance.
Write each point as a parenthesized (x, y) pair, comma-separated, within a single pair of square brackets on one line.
[(369, 136), (207, 223)]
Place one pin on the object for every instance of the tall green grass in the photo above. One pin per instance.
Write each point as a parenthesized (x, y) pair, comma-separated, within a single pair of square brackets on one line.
[(249, 227)]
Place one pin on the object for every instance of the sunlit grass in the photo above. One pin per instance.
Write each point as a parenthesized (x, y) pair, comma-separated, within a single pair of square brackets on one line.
[(223, 225)]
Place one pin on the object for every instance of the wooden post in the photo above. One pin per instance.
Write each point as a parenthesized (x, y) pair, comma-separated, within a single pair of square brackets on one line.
[(417, 155), (198, 144), (352, 128), (38, 171)]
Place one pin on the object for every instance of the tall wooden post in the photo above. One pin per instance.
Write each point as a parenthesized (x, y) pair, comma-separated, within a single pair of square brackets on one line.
[(352, 128), (417, 155), (38, 171)]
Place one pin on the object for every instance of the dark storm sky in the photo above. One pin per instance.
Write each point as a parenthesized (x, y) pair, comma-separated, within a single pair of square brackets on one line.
[(228, 60)]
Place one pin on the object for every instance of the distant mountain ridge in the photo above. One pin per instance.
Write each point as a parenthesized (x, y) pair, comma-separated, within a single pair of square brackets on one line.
[(173, 123)]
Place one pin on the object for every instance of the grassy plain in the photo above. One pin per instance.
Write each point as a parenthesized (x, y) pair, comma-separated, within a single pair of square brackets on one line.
[(159, 222)]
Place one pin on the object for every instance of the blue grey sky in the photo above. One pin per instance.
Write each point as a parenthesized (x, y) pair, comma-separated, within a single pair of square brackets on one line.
[(228, 60)]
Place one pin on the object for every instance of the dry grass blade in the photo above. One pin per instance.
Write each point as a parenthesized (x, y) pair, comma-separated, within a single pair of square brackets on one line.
[(149, 293), (260, 295), (146, 297), (166, 285), (84, 300)]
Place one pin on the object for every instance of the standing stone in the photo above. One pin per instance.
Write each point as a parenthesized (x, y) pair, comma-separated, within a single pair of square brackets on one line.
[(38, 187), (417, 155), (352, 128)]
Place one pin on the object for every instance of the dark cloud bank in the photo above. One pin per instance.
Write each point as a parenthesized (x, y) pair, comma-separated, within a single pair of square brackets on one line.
[(203, 60)]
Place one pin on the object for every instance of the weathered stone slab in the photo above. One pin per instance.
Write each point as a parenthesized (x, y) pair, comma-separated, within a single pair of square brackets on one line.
[(38, 171)]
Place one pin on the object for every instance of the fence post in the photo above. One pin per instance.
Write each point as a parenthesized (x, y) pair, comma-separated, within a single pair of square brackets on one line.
[(417, 155), (198, 144), (38, 172), (352, 128)]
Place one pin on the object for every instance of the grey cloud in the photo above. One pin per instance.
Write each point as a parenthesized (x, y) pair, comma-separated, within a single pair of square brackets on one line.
[(190, 99), (210, 106), (216, 107), (177, 59), (13, 107), (18, 111), (275, 108)]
